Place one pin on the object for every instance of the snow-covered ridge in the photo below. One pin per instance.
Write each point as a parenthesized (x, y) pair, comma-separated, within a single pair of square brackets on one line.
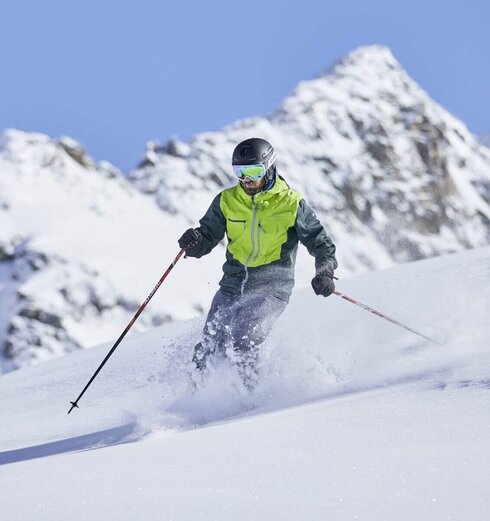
[(392, 175), (79, 247)]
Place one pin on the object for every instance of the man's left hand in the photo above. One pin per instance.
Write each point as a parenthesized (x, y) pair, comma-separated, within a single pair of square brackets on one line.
[(323, 284)]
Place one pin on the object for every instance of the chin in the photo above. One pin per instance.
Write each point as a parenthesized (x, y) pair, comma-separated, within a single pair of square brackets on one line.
[(251, 190)]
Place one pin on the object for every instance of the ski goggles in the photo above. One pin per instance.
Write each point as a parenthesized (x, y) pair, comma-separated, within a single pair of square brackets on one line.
[(253, 172)]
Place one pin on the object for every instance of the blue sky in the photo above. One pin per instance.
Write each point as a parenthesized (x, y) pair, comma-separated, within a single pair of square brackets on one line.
[(115, 74)]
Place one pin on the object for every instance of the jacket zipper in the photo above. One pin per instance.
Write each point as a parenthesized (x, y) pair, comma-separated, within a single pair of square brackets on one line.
[(259, 231), (255, 208)]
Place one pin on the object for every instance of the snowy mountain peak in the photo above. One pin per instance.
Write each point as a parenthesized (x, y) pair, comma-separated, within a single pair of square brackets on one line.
[(369, 58), (367, 75)]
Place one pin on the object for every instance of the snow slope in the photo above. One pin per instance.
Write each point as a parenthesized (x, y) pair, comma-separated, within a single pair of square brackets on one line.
[(354, 417)]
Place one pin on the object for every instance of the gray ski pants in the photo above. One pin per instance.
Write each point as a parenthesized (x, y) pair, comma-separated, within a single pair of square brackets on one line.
[(236, 322)]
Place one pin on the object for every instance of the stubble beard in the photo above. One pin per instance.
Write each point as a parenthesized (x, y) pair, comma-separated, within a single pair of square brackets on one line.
[(253, 188)]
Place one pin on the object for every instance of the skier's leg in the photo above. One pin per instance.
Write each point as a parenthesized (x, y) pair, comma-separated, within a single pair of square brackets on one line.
[(252, 321), (216, 332)]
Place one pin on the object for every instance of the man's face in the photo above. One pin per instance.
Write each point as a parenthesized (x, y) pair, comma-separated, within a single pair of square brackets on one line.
[(252, 187)]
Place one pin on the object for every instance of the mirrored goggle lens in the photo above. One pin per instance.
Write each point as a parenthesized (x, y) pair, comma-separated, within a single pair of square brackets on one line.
[(254, 172)]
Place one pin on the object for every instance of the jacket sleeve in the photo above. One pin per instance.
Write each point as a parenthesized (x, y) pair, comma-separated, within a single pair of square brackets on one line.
[(312, 234), (212, 228)]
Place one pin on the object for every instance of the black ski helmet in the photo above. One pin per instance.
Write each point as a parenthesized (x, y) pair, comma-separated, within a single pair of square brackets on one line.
[(253, 151)]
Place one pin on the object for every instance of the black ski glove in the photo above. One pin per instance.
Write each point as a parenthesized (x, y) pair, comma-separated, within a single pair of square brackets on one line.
[(190, 241), (322, 282)]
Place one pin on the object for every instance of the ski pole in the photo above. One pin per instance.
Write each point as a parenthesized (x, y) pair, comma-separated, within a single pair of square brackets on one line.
[(375, 312), (128, 327)]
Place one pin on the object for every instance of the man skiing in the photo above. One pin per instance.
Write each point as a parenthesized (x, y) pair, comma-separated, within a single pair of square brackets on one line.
[(263, 220)]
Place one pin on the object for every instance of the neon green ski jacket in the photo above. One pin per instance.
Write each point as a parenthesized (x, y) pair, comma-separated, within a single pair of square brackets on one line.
[(263, 232)]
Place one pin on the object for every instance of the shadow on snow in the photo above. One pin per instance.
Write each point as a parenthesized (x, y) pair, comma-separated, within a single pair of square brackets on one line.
[(113, 436)]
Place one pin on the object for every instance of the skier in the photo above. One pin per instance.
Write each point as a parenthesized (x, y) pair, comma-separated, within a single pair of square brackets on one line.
[(263, 219)]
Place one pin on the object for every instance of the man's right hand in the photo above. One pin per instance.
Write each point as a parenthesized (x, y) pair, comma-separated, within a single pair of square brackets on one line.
[(190, 241)]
